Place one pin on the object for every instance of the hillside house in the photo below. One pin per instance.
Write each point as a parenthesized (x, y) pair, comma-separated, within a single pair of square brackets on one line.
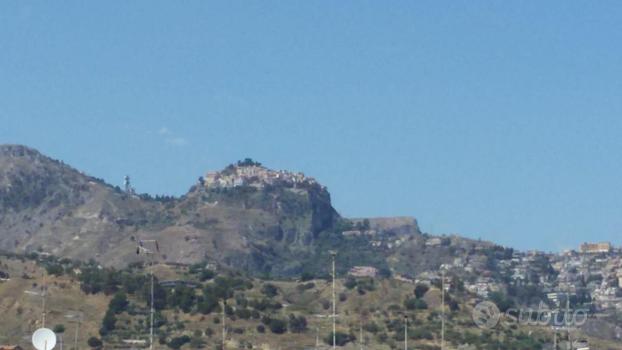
[(596, 248), (363, 271)]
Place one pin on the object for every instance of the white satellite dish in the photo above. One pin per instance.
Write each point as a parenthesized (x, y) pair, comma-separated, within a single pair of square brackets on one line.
[(44, 339)]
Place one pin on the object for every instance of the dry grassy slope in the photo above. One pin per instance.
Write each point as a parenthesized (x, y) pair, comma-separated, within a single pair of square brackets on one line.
[(22, 312)]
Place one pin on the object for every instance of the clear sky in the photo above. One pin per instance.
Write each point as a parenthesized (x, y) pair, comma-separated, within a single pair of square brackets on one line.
[(492, 119)]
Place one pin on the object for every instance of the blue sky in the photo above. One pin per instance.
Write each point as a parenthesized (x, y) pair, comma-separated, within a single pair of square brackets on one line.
[(498, 120)]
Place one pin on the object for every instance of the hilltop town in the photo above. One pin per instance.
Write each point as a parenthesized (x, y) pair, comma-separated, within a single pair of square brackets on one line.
[(251, 173)]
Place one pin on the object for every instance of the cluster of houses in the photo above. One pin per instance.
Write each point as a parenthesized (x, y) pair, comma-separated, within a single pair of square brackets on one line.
[(591, 275), (253, 175), (595, 272)]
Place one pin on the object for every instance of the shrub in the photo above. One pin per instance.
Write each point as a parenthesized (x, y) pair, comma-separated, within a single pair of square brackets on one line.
[(277, 326), (269, 290), (420, 290), (341, 339), (178, 342), (415, 304), (94, 343), (119, 303), (297, 324), (306, 276)]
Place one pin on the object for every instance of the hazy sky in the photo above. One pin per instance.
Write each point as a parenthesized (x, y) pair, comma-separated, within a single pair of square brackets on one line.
[(500, 120)]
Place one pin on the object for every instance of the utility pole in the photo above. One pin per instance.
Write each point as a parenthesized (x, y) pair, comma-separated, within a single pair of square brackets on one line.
[(361, 334), (224, 327), (333, 254), (317, 338), (141, 248), (44, 292), (566, 320), (442, 309), (405, 332), (75, 341), (42, 295)]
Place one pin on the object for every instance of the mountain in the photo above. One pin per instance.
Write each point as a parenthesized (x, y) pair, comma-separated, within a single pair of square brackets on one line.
[(245, 216), (248, 221)]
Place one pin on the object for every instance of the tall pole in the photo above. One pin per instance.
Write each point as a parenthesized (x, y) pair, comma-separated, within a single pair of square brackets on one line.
[(566, 319), (75, 341), (224, 319), (361, 334), (141, 248), (443, 310), (44, 291), (405, 332), (43, 306), (317, 338), (152, 308), (333, 254)]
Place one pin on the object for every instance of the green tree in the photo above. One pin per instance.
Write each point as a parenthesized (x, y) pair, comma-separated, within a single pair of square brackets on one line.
[(277, 326), (297, 324), (270, 290), (108, 323), (94, 343), (420, 290), (119, 303), (178, 342), (341, 339)]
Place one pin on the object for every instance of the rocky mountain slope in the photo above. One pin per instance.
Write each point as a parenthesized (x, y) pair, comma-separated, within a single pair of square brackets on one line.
[(245, 216), (48, 206)]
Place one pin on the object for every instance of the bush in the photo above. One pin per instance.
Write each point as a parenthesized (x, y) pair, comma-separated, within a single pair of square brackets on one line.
[(244, 313), (119, 303), (350, 283), (341, 339), (305, 286), (415, 304), (306, 276), (94, 343), (297, 324), (178, 342), (197, 343), (54, 269), (502, 301), (208, 304), (207, 275), (420, 290), (108, 323), (269, 290), (371, 327), (277, 326)]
